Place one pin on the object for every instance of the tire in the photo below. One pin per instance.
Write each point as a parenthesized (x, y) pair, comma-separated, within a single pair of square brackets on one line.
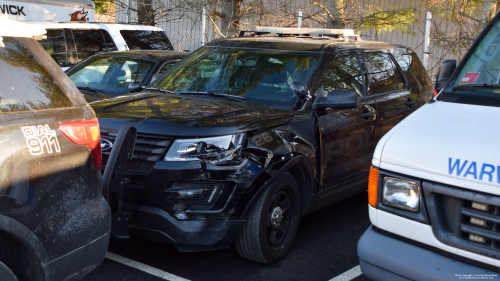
[(6, 273), (268, 233)]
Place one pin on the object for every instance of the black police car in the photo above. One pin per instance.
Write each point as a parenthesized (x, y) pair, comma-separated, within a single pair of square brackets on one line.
[(244, 136), (54, 222), (118, 73)]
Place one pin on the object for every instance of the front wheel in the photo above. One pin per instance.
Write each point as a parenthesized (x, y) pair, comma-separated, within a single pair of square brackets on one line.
[(272, 223), (6, 274)]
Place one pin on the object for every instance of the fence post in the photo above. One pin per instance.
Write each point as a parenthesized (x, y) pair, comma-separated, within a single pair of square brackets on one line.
[(203, 16), (428, 20), (299, 23)]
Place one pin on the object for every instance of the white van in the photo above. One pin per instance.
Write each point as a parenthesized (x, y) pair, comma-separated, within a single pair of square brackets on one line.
[(48, 10), (434, 188), (71, 42)]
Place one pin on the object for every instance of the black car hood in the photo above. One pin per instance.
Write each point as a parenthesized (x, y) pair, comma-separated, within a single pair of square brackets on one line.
[(176, 115)]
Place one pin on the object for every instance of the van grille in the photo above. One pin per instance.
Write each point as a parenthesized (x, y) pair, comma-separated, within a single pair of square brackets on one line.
[(149, 148), (468, 220)]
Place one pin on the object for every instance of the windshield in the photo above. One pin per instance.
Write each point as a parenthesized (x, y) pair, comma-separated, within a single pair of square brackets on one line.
[(110, 74), (260, 76), (483, 64)]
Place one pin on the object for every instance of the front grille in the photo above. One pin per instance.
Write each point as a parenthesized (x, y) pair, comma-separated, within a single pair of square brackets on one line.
[(465, 219), (149, 148)]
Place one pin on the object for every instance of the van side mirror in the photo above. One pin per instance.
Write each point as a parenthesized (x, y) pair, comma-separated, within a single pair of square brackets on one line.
[(134, 87), (300, 90), (338, 99), (444, 74)]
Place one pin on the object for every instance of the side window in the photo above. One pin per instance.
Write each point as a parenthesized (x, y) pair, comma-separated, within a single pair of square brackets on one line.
[(382, 75), (88, 42), (146, 40), (26, 85), (344, 74), (55, 45), (110, 44), (166, 66)]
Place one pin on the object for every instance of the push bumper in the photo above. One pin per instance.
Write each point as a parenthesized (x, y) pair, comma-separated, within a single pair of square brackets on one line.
[(385, 258), (187, 236)]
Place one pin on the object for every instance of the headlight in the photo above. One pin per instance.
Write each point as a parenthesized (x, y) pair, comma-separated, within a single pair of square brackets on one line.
[(401, 194), (215, 149)]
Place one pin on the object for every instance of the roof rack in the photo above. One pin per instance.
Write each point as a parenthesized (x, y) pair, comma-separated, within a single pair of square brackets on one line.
[(304, 32)]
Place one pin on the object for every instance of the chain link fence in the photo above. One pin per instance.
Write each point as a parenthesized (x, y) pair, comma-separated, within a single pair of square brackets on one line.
[(185, 32)]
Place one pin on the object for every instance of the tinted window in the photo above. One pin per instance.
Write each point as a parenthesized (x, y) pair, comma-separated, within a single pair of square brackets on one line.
[(55, 45), (146, 40), (88, 42), (110, 44), (110, 74), (260, 76), (25, 83), (410, 64), (344, 74), (382, 73), (166, 66)]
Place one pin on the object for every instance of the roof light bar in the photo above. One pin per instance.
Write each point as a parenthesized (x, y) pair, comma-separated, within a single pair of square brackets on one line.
[(310, 31)]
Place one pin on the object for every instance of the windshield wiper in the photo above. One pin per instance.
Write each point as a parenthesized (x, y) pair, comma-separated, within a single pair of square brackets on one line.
[(160, 90), (495, 86), (90, 89), (232, 97)]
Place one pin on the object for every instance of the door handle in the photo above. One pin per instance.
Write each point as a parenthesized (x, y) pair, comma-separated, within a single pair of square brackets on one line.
[(410, 103), (367, 114)]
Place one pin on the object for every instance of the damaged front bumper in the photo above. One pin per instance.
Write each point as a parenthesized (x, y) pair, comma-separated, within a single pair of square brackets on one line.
[(190, 235)]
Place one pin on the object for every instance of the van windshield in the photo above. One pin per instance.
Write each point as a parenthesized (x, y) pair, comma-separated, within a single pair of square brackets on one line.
[(258, 76), (482, 68)]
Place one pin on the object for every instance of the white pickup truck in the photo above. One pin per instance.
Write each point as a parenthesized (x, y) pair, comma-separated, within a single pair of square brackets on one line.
[(434, 189)]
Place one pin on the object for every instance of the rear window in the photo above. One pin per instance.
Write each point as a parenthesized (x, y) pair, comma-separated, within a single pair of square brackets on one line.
[(25, 83), (146, 40)]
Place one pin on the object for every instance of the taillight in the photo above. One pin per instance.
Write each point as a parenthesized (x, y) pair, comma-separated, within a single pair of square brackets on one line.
[(85, 133), (435, 92), (373, 186)]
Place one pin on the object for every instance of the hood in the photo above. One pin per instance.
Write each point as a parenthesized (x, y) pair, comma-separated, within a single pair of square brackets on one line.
[(450, 143), (186, 115)]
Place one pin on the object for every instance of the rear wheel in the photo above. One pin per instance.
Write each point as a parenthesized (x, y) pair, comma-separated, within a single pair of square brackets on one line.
[(272, 223), (6, 274)]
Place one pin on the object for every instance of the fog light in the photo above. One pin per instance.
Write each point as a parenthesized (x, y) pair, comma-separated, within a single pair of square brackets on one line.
[(480, 206), (213, 194), (401, 194), (476, 238), (478, 222), (193, 193)]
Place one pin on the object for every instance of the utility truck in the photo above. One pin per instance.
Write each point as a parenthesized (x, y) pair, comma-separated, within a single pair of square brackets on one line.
[(48, 10)]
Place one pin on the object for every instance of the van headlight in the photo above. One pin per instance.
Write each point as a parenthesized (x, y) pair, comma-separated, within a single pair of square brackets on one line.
[(401, 194), (213, 149)]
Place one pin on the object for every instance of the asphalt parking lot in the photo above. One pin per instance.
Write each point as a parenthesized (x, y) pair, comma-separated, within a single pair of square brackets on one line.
[(324, 248)]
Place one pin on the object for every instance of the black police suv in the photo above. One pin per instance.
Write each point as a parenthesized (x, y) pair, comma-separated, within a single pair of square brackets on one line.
[(244, 136), (54, 221), (118, 73)]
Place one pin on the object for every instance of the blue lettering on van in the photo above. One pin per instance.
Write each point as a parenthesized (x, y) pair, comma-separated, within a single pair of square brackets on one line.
[(486, 172)]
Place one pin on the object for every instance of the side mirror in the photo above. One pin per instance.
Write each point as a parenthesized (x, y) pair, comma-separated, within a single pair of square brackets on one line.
[(134, 87), (338, 99), (300, 90), (444, 74)]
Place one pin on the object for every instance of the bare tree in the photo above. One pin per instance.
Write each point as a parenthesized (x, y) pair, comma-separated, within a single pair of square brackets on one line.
[(230, 16), (145, 12), (490, 8), (337, 19)]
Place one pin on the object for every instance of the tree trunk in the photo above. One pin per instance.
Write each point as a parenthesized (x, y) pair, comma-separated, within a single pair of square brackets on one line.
[(231, 13), (336, 8), (145, 12), (490, 8)]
